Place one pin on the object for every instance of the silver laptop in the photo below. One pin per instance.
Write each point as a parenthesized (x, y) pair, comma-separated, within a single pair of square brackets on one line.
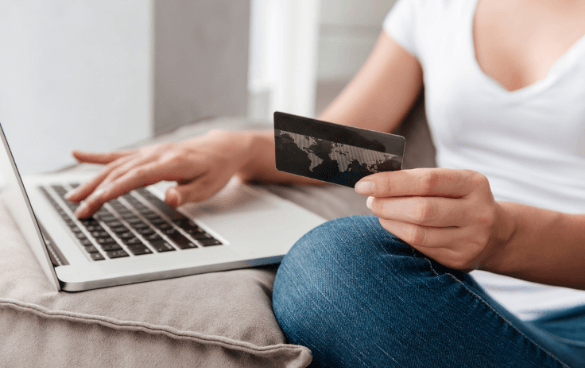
[(137, 237)]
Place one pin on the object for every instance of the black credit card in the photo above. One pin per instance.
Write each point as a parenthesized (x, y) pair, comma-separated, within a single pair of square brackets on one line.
[(333, 153)]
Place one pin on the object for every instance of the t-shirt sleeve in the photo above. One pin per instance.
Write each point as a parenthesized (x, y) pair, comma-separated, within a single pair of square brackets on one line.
[(400, 24)]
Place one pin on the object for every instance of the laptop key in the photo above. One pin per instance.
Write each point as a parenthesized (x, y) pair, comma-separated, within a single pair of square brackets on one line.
[(209, 242), (153, 237), (119, 229), (163, 226), (91, 249), (180, 240), (144, 232), (188, 226), (104, 241), (117, 254), (139, 249), (161, 246), (170, 231), (132, 241), (100, 234), (181, 222), (194, 230), (110, 246), (110, 221), (203, 236), (133, 219), (126, 235), (96, 256), (85, 242)]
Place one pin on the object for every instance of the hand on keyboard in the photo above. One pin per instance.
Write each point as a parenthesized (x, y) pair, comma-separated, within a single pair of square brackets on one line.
[(201, 167)]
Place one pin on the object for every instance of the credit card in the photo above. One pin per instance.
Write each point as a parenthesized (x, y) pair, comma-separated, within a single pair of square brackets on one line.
[(331, 152)]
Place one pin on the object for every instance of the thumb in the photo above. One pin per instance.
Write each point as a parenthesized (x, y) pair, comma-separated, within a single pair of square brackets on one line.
[(197, 190), (173, 197)]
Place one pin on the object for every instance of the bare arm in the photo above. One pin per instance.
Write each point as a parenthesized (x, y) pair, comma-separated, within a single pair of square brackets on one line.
[(542, 246), (377, 98)]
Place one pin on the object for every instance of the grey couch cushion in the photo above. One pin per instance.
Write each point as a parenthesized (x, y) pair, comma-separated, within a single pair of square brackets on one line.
[(219, 319)]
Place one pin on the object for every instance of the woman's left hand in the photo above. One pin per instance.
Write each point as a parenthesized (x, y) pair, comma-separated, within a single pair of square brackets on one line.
[(449, 215)]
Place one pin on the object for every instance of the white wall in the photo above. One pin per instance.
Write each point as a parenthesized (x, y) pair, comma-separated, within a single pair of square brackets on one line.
[(283, 57), (73, 74)]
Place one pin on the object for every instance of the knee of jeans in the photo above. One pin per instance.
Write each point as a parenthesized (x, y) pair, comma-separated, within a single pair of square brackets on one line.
[(343, 238), (334, 255)]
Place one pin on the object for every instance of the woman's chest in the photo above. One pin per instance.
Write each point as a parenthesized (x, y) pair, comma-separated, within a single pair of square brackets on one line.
[(516, 42)]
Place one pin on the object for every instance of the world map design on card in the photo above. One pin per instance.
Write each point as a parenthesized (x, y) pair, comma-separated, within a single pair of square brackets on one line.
[(314, 156)]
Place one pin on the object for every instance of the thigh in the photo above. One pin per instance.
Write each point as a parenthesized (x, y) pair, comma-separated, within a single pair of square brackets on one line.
[(357, 296)]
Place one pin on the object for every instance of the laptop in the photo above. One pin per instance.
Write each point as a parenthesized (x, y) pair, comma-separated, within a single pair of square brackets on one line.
[(137, 237)]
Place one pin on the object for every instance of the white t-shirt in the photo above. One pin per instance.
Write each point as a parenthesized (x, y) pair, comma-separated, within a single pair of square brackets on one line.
[(529, 143)]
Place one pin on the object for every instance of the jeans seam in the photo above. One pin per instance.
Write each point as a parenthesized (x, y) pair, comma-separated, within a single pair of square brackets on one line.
[(489, 306)]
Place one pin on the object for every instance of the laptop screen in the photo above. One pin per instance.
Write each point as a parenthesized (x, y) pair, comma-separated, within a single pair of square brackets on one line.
[(14, 196)]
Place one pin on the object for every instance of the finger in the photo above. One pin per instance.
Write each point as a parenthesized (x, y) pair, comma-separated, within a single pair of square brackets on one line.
[(425, 211), (197, 190), (100, 158), (445, 245), (138, 177), (422, 236), (123, 169), (421, 182), (86, 189)]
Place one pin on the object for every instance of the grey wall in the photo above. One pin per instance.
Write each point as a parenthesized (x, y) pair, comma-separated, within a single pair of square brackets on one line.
[(347, 34), (200, 60), (348, 30)]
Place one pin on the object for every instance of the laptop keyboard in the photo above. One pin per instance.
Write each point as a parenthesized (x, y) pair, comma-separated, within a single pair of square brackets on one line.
[(135, 224)]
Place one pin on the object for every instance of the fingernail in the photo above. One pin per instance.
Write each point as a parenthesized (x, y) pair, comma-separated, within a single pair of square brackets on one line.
[(70, 194), (81, 209), (365, 187), (369, 202), (175, 197)]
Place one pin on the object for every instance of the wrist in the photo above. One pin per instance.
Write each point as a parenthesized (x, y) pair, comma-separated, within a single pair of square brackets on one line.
[(250, 154), (236, 146), (504, 231)]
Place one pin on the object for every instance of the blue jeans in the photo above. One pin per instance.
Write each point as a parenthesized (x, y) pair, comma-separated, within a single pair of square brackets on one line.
[(358, 296)]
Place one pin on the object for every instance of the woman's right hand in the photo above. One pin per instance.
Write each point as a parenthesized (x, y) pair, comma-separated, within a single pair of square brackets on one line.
[(201, 167)]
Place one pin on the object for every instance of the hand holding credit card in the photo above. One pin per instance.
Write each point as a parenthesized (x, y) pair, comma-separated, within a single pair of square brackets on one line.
[(331, 152)]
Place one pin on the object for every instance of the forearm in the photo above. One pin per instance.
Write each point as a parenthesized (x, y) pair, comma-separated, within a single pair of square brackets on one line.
[(542, 246)]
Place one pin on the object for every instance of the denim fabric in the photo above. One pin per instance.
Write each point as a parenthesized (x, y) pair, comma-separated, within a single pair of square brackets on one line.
[(358, 296)]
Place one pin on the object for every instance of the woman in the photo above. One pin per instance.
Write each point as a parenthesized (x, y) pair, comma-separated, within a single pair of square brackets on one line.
[(505, 91)]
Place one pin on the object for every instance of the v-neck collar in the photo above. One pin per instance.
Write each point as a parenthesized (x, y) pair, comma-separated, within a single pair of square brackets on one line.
[(533, 87)]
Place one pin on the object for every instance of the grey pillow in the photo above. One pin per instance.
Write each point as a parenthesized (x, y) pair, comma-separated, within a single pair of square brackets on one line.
[(221, 319)]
